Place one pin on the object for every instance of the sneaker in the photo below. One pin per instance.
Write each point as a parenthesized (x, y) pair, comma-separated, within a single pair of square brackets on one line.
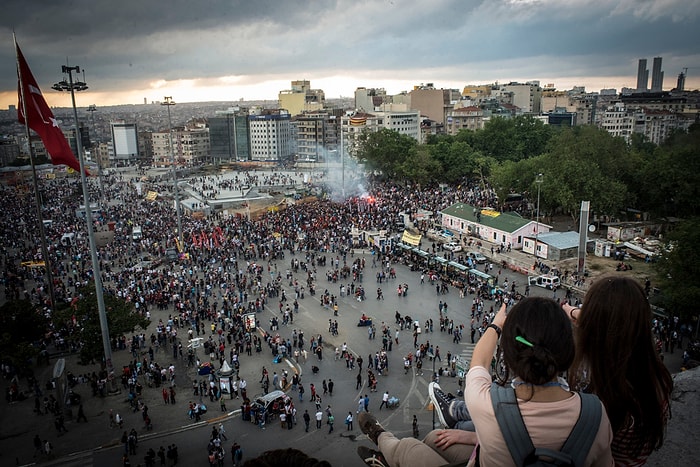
[(370, 426), (372, 457), (441, 404)]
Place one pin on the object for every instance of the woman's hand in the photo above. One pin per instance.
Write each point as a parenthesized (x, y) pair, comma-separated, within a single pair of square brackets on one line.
[(447, 438), (571, 311), (500, 318)]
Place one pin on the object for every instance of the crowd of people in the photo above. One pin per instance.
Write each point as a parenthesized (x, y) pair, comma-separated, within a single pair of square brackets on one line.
[(236, 265)]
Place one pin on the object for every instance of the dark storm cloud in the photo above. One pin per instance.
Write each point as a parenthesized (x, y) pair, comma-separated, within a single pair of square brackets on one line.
[(125, 44)]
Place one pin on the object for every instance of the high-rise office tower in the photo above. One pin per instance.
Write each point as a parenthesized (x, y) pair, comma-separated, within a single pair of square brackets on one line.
[(642, 75), (657, 76), (680, 84)]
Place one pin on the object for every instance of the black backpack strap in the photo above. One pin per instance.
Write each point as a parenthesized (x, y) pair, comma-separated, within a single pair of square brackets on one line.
[(511, 424), (581, 438)]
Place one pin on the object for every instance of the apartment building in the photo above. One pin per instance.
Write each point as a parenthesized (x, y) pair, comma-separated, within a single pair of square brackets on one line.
[(366, 100), (270, 136), (465, 118), (190, 147), (404, 122), (228, 136), (317, 136), (301, 98), (433, 103), (618, 121), (526, 96)]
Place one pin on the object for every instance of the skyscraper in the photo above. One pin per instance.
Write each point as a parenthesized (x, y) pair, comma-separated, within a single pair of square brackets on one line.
[(642, 75), (657, 76)]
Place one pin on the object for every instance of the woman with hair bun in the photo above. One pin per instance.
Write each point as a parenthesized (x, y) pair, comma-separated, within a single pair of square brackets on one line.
[(616, 360), (538, 345)]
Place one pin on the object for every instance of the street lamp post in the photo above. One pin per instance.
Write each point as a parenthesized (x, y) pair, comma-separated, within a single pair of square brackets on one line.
[(169, 102), (92, 108), (538, 180), (99, 291)]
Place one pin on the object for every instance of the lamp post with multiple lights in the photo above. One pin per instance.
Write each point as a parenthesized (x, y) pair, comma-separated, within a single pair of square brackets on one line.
[(168, 102), (74, 86)]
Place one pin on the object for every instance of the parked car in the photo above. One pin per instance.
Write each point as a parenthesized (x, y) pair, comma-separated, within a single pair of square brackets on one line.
[(477, 257), (452, 246)]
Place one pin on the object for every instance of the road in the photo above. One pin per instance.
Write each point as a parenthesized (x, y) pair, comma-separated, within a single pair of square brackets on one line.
[(339, 447)]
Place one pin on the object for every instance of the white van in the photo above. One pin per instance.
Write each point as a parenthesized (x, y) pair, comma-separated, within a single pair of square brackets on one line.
[(546, 281), (137, 233)]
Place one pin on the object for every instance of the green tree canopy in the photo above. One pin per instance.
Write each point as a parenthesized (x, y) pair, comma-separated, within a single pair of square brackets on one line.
[(670, 181), (121, 319), (386, 150), (511, 139), (679, 270), (581, 164), (22, 326)]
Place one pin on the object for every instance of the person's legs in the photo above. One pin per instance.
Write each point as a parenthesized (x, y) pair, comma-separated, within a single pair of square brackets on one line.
[(458, 409), (407, 452), (454, 453)]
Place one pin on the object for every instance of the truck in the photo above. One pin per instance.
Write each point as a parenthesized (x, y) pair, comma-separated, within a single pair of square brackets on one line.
[(137, 233)]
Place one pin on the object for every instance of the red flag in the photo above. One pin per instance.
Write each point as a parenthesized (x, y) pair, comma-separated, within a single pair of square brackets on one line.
[(40, 117)]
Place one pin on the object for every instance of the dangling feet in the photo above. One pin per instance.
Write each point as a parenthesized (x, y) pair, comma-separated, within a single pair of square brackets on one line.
[(370, 426), (372, 457), (441, 404)]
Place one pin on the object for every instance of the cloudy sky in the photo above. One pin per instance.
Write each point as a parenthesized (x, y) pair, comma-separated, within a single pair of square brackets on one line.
[(199, 50)]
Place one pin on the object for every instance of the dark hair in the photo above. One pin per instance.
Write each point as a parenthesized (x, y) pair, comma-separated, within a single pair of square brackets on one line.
[(289, 457), (615, 355), (541, 322)]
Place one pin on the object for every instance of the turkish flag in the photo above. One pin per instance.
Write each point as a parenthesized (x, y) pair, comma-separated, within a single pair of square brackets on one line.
[(40, 118)]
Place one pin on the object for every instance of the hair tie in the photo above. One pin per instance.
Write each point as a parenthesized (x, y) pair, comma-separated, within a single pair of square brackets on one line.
[(522, 340)]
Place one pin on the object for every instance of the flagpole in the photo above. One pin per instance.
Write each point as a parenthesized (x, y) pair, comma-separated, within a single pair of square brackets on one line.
[(37, 199), (106, 343)]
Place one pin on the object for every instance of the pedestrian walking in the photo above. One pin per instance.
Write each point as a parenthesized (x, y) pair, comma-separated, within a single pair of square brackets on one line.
[(385, 400), (222, 402), (237, 454), (81, 413), (331, 384), (330, 421), (319, 419), (222, 431), (348, 421), (307, 420)]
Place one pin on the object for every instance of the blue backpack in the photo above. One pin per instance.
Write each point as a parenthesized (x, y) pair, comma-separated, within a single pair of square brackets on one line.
[(574, 451)]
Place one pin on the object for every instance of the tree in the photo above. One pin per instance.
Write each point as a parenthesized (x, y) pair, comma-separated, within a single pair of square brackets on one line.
[(386, 150), (22, 327), (420, 167), (679, 269), (121, 319), (585, 163), (670, 181), (512, 139)]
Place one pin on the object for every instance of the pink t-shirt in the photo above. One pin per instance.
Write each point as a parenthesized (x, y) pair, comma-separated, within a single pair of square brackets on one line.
[(548, 423)]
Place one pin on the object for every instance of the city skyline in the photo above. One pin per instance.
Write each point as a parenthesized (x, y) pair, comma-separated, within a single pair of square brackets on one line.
[(232, 50)]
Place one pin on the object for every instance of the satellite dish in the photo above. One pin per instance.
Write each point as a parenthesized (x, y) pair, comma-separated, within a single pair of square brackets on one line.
[(591, 228)]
